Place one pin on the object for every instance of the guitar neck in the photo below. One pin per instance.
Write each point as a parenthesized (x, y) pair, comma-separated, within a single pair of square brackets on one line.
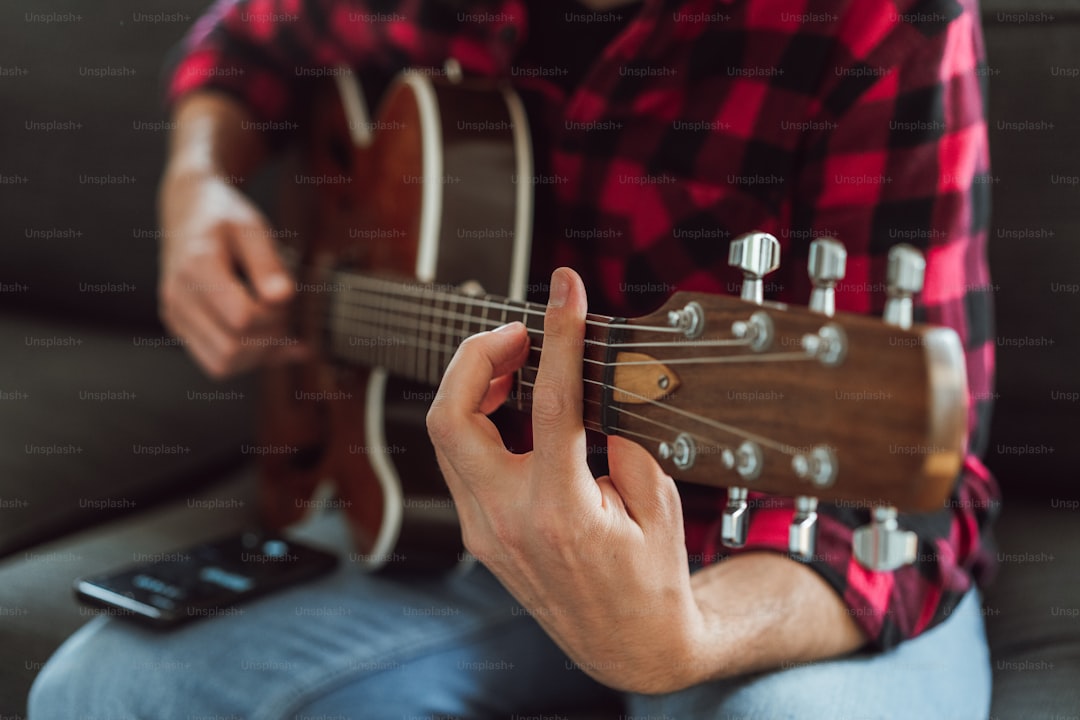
[(720, 390), (413, 330)]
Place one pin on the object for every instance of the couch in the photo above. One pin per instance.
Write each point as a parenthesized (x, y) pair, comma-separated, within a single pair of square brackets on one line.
[(114, 444)]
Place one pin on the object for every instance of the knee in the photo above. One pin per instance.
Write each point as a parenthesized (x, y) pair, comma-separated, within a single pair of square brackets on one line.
[(95, 675), (64, 689)]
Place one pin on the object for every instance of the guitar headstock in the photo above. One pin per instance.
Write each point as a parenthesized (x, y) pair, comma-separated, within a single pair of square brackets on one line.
[(797, 401)]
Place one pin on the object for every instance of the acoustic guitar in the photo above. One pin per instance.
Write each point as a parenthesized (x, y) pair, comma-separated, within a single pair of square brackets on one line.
[(419, 236)]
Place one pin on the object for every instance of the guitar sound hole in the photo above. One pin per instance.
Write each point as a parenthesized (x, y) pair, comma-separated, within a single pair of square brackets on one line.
[(306, 458), (341, 154)]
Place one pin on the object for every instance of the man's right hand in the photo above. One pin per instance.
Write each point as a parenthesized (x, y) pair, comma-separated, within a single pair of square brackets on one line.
[(224, 289)]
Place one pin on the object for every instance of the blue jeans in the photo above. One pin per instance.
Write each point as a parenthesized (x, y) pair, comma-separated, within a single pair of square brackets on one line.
[(354, 646)]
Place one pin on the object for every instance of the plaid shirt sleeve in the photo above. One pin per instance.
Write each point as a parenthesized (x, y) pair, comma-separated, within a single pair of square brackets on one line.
[(265, 52), (900, 154)]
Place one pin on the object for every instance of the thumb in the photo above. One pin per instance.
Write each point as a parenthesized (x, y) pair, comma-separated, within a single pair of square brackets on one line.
[(258, 256), (649, 494)]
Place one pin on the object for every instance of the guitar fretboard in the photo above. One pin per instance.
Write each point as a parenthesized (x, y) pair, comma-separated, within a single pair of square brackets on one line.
[(414, 329)]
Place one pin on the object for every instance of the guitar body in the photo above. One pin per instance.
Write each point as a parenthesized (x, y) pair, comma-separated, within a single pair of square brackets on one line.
[(428, 191)]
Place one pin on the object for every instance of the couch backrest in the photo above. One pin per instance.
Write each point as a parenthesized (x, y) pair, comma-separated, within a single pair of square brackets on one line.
[(1034, 81)]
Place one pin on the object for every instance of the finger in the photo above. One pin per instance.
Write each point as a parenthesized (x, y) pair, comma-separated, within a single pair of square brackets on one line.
[(498, 391), (253, 246), (218, 353), (648, 493), (212, 285), (558, 429), (480, 359), (456, 422), (297, 352)]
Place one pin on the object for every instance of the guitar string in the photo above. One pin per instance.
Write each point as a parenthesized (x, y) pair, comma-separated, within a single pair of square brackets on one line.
[(528, 309), (390, 287), (418, 310), (724, 427), (449, 349), (652, 421), (418, 324)]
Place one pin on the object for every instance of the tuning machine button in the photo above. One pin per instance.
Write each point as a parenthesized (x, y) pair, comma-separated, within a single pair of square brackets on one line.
[(882, 545), (757, 254), (802, 533), (735, 519), (905, 274), (826, 265)]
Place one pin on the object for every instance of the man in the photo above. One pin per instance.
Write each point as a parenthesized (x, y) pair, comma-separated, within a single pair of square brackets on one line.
[(673, 127)]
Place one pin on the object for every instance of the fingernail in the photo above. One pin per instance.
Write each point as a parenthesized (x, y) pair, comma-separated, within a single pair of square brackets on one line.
[(277, 284), (560, 289), (504, 328)]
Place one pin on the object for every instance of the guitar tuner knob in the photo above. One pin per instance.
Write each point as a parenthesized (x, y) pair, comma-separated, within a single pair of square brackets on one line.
[(829, 345), (682, 452), (690, 320), (758, 331), (826, 265), (735, 519), (905, 274), (757, 254), (882, 545), (749, 460), (802, 533), (819, 466)]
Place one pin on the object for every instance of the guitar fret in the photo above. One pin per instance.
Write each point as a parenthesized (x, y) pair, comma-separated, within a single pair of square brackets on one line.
[(420, 350), (433, 357), (419, 357), (337, 321), (381, 352), (466, 310), (451, 325)]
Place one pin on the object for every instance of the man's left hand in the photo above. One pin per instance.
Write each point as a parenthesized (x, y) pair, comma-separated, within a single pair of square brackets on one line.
[(601, 563)]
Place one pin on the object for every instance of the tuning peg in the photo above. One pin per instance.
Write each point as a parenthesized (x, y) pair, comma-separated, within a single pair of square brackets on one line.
[(735, 519), (802, 533), (906, 270), (827, 263), (757, 254), (882, 545)]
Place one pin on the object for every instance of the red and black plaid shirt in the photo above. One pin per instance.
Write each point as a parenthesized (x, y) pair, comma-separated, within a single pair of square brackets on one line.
[(689, 122)]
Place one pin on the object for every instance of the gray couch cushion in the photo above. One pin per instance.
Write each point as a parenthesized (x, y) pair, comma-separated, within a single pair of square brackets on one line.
[(96, 423), (1033, 612)]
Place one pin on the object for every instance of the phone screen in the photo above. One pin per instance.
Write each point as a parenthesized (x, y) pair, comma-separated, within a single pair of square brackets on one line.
[(197, 582)]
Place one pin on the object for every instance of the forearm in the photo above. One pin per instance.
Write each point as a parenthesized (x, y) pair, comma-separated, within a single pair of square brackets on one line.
[(213, 135), (762, 611)]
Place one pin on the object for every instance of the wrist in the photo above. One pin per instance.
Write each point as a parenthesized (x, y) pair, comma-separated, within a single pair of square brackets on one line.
[(211, 140), (679, 659)]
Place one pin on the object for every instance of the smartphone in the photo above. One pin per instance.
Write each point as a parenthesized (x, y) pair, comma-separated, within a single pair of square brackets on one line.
[(199, 582)]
